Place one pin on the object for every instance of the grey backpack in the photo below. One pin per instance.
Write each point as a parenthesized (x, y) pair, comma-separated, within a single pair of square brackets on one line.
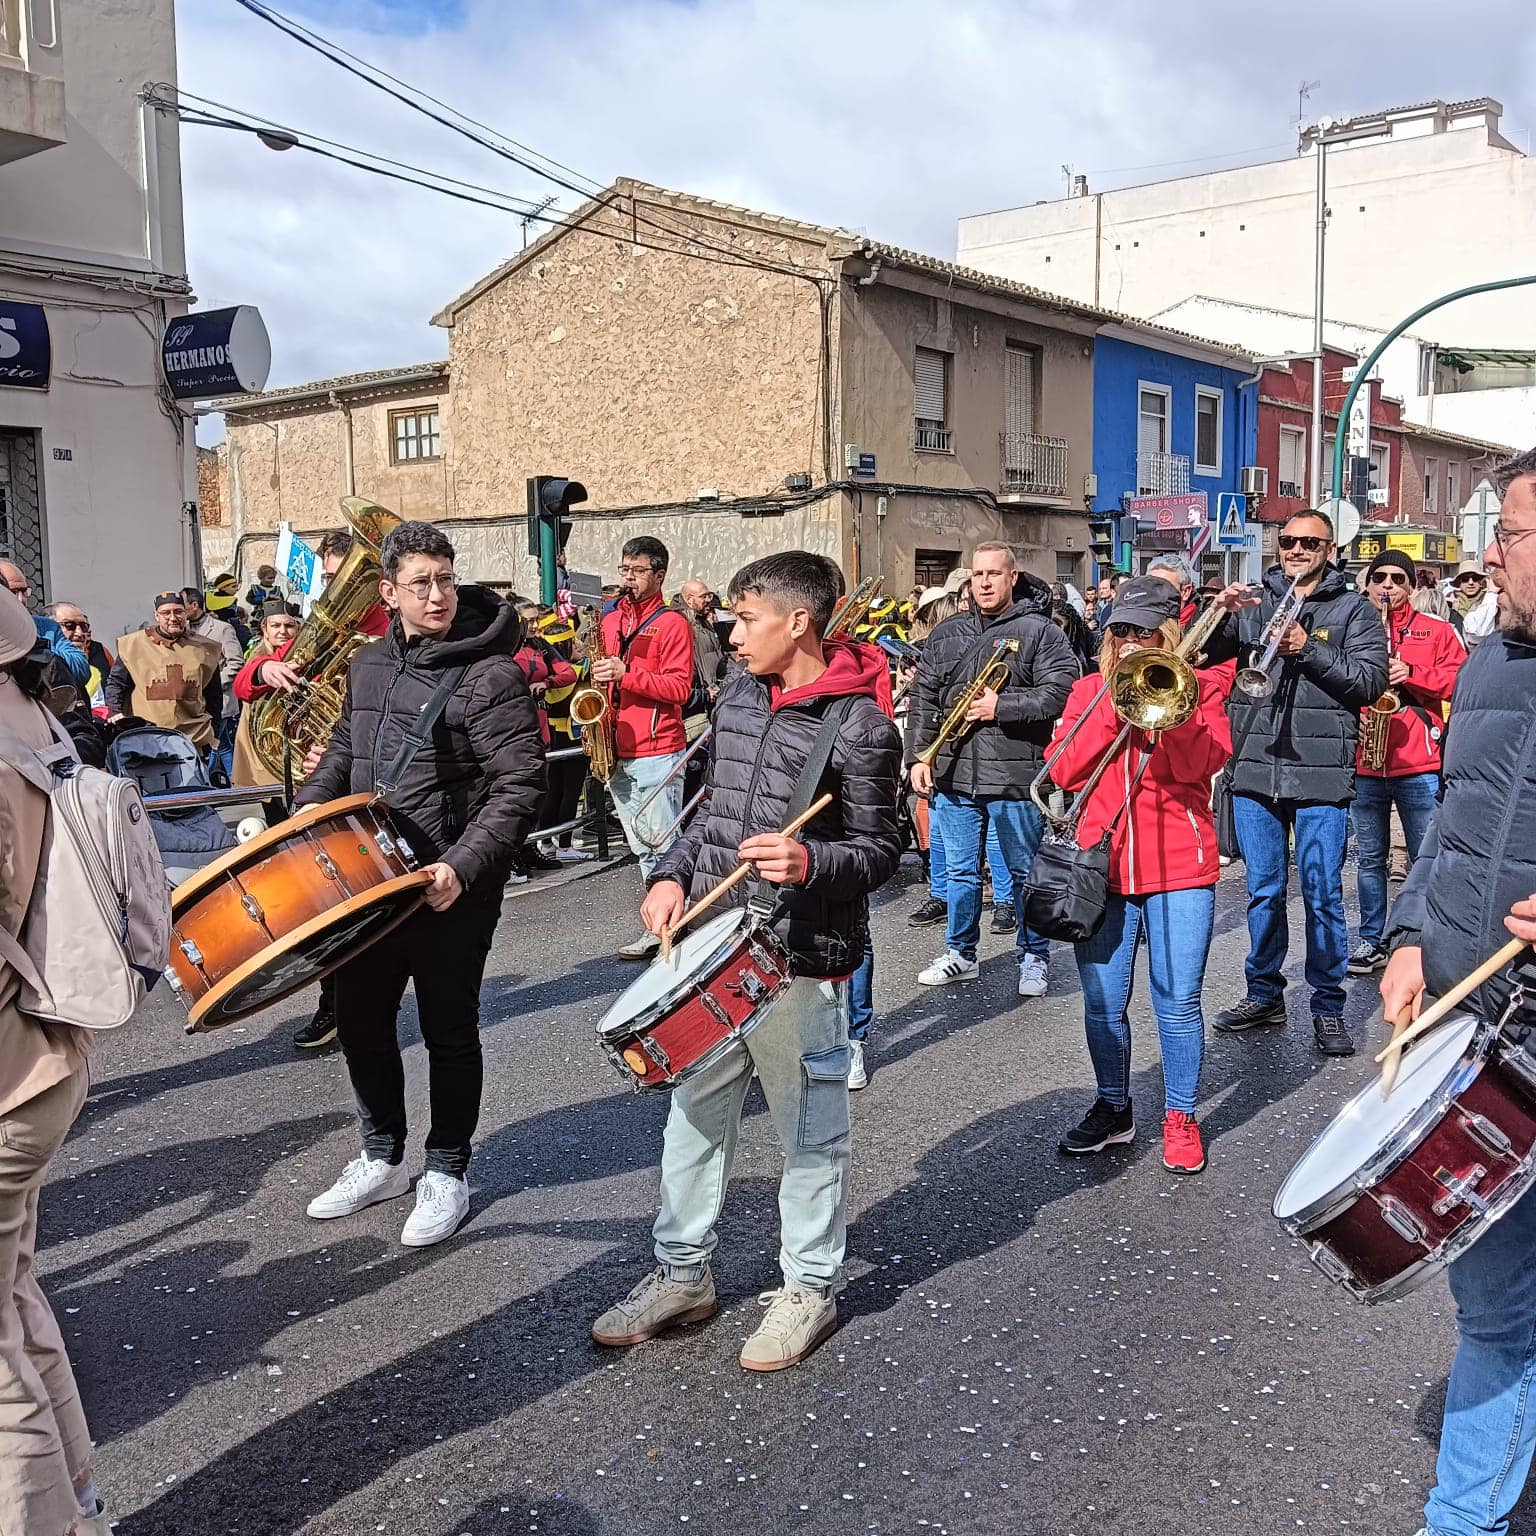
[(97, 931)]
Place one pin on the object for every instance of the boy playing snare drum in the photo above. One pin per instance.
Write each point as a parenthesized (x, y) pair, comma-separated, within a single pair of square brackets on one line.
[(769, 720)]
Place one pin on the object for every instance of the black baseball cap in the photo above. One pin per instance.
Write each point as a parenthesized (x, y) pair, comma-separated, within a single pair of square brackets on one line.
[(1146, 601)]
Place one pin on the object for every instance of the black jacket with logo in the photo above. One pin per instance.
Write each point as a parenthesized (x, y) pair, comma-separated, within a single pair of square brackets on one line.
[(472, 793)]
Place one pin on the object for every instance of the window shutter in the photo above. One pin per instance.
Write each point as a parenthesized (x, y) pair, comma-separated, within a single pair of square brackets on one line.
[(1149, 424), (930, 386), (1019, 405)]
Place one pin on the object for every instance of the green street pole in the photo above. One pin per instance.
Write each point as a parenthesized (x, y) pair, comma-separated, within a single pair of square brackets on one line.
[(1364, 370), (547, 558)]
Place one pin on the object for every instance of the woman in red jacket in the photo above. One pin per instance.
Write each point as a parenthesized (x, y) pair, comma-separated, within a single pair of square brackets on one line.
[(1162, 878)]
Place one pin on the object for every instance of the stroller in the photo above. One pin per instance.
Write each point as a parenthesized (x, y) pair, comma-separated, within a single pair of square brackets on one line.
[(162, 762)]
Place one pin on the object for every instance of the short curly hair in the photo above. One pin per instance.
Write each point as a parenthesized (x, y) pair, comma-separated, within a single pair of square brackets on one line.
[(413, 539)]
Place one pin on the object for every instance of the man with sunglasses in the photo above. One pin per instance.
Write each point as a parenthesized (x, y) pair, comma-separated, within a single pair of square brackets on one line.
[(1426, 654), (1476, 602), (1471, 889), (1293, 769)]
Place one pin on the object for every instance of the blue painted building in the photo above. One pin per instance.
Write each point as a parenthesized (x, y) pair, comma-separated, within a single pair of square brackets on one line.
[(1172, 418)]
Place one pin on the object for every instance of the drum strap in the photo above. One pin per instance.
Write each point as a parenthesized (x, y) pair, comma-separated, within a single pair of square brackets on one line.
[(421, 729), (765, 896)]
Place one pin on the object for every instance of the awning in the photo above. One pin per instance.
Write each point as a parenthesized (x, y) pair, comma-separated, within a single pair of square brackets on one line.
[(1465, 359)]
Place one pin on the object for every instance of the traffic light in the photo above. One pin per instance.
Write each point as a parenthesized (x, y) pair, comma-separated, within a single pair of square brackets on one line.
[(1101, 541), (549, 498)]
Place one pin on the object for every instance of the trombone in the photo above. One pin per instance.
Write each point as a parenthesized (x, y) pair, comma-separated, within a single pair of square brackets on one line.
[(1258, 681), (1149, 690)]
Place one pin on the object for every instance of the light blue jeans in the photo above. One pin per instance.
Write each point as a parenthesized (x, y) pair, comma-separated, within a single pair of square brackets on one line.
[(938, 883), (1177, 928), (962, 822), (633, 780), (1489, 1427), (1414, 796), (801, 1054)]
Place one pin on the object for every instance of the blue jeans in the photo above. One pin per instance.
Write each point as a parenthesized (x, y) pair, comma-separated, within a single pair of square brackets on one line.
[(1002, 876), (1490, 1405), (962, 824), (1264, 828), (1177, 928), (633, 780), (801, 1054), (861, 996), (224, 753), (1414, 796)]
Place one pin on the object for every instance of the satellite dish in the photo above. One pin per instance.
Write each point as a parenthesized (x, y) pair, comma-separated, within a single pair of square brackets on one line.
[(1345, 517)]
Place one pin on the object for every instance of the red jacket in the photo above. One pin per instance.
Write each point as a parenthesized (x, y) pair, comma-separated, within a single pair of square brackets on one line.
[(1166, 841), (649, 698), (542, 663), (1434, 653), (248, 684)]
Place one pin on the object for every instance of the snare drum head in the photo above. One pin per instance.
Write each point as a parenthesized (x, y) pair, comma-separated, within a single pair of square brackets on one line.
[(661, 980), (1369, 1123)]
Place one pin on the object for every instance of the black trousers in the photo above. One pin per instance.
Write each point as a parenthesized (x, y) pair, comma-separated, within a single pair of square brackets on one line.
[(444, 954), (562, 796)]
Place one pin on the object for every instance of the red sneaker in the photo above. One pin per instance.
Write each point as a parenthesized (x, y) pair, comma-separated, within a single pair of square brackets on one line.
[(1183, 1151)]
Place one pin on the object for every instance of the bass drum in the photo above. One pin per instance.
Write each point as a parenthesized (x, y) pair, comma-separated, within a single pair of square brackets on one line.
[(279, 912), (1395, 1188)]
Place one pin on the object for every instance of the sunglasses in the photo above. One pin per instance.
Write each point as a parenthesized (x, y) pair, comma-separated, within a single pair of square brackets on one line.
[(1388, 578), (1307, 541), (1123, 631)]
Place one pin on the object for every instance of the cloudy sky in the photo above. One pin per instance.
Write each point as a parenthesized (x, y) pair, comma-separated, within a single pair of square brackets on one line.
[(887, 116)]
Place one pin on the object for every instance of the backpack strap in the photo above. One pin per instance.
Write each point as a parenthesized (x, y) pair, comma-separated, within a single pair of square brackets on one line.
[(420, 730)]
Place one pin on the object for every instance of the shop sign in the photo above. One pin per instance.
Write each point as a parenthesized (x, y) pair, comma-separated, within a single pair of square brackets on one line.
[(216, 352), (26, 354)]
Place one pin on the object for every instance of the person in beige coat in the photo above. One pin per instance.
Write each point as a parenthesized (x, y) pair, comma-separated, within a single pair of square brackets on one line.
[(46, 1487)]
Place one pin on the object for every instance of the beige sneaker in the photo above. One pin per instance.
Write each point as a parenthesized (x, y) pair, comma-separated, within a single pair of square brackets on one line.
[(796, 1322), (655, 1305)]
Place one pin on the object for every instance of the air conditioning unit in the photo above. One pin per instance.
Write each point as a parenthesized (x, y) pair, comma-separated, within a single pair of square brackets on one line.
[(1378, 498), (1254, 480)]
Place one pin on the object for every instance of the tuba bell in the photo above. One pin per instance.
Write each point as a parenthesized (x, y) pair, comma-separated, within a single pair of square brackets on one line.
[(285, 726)]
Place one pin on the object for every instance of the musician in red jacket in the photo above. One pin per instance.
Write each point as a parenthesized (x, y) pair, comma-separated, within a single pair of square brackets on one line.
[(1162, 877), (1425, 654), (647, 668)]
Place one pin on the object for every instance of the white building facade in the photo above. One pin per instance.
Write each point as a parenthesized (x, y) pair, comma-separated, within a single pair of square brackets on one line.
[(1422, 200), (97, 463)]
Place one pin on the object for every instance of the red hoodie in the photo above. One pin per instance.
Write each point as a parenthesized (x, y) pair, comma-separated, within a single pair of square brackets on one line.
[(659, 659), (1166, 841), (1434, 653)]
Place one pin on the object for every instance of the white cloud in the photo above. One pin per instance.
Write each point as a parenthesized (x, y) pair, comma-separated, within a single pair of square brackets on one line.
[(894, 116)]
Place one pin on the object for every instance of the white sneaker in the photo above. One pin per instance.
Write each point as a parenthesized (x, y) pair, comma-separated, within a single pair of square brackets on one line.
[(572, 855), (950, 966), (858, 1077), (515, 877), (99, 1524), (1032, 976), (364, 1181), (442, 1203)]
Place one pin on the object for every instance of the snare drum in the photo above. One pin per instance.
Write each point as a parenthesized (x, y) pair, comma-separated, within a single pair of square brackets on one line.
[(1395, 1188), (686, 1012)]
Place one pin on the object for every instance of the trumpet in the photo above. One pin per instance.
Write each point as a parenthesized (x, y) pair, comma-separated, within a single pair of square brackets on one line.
[(1376, 718), (854, 609), (1257, 681), (1149, 690), (992, 676)]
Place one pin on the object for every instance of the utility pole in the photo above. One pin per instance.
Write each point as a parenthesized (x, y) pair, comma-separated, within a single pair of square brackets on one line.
[(1315, 467)]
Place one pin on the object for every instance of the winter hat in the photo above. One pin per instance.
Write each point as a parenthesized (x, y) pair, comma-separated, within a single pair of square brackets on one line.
[(18, 634), (1398, 561)]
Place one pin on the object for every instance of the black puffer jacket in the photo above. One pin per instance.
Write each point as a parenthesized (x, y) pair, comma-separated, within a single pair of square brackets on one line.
[(471, 795), (1479, 854), (996, 760), (1299, 743), (852, 847)]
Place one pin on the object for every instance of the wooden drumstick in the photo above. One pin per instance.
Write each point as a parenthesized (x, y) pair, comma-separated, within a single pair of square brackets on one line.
[(735, 878), (1394, 1051), (1441, 1006)]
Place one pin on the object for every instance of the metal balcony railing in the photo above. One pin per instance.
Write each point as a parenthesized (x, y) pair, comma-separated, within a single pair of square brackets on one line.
[(1162, 474), (1032, 462), (928, 438)]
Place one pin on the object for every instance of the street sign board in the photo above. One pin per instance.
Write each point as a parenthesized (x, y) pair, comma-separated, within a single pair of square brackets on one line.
[(1231, 517), (1359, 446), (1167, 512), (865, 468)]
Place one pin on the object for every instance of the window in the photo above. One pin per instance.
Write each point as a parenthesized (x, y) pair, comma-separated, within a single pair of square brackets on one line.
[(931, 567), (1293, 463), (1380, 460), (1426, 368), (930, 406), (1153, 410), (1432, 486), (1452, 487), (413, 436), (1207, 431), (1019, 373)]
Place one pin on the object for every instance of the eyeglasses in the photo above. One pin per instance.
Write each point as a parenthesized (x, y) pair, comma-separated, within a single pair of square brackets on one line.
[(421, 588), (1122, 631), (1504, 537), (1307, 541), (1385, 578), (84, 624), (635, 570)]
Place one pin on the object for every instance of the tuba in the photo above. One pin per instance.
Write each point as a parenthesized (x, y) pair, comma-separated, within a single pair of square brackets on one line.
[(285, 726), (993, 676), (592, 709)]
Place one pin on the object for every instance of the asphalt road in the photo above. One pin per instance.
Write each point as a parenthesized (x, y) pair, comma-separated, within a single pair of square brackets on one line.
[(1028, 1345)]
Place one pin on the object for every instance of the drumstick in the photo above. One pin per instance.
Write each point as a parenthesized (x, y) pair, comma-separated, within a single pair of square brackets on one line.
[(735, 877), (1441, 1006), (1394, 1051)]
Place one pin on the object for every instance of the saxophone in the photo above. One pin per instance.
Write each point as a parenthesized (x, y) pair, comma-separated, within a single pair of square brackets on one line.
[(293, 723), (592, 710), (993, 675), (853, 610), (1376, 719)]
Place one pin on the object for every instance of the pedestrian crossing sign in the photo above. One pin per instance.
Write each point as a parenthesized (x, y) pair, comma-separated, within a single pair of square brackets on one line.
[(1231, 517)]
